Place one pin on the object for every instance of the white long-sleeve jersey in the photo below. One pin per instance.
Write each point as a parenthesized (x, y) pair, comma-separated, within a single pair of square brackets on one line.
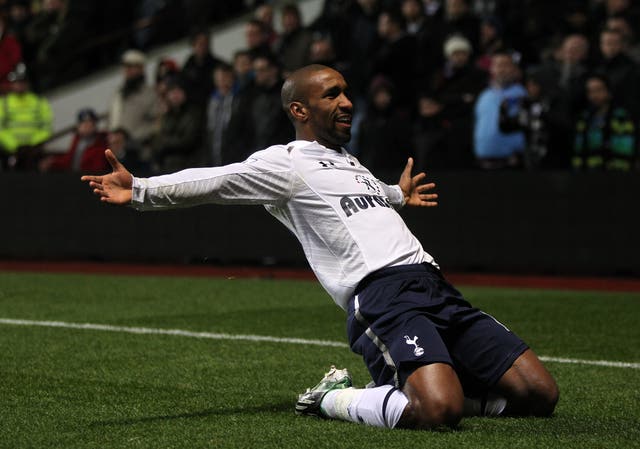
[(343, 216)]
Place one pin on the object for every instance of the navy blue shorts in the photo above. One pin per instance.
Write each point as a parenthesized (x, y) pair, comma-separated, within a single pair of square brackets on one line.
[(404, 317)]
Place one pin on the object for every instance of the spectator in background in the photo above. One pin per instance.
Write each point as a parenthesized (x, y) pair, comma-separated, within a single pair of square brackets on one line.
[(198, 68), (455, 88), (219, 113), (430, 132), (395, 58), (243, 70), (43, 26), (532, 117), (177, 143), (605, 9), (256, 38), (158, 20), (361, 47), (134, 106), (605, 133), (428, 52), (293, 46), (531, 26), (166, 69), (414, 15), (620, 70), (433, 9), (561, 80), (493, 148), (86, 152), (335, 21), (621, 25), (567, 66), (384, 138), (25, 123), (166, 66), (491, 42), (126, 149), (460, 19), (264, 13), (10, 53), (258, 120), (52, 37), (322, 52), (18, 19)]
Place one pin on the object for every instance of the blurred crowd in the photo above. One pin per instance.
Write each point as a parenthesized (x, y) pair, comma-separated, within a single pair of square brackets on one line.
[(457, 84)]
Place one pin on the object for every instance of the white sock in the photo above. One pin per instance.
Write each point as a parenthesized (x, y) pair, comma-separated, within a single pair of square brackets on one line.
[(493, 405), (379, 406)]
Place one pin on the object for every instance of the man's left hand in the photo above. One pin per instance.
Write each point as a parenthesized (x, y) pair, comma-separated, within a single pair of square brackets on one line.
[(413, 189)]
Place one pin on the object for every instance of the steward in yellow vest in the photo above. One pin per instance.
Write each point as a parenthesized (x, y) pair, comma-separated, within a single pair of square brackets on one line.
[(25, 121)]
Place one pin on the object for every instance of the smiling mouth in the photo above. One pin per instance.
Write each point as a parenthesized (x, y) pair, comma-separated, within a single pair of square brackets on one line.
[(344, 120)]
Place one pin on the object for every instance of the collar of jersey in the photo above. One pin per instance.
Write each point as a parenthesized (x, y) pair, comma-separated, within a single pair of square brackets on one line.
[(305, 143)]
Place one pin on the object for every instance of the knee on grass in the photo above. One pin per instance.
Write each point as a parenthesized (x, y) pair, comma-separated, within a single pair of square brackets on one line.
[(537, 400), (426, 415)]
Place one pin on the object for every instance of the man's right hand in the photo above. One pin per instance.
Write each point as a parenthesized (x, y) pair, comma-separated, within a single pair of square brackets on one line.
[(114, 188)]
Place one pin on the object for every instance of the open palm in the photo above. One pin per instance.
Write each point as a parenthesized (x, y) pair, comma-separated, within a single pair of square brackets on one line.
[(114, 188), (413, 189)]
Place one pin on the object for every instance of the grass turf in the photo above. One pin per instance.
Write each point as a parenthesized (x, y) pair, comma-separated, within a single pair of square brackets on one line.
[(68, 388)]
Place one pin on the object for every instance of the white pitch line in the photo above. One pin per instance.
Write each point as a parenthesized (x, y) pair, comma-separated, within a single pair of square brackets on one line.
[(263, 338), (591, 362), (176, 332)]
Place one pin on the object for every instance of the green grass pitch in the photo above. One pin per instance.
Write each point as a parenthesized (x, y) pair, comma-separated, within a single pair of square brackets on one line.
[(82, 388)]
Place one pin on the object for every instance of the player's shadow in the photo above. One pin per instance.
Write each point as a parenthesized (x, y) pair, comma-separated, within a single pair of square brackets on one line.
[(265, 408)]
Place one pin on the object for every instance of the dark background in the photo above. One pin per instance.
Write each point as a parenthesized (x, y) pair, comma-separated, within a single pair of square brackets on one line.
[(508, 222)]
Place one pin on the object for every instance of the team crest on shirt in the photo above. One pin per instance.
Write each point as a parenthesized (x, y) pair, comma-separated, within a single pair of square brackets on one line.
[(370, 183), (417, 350)]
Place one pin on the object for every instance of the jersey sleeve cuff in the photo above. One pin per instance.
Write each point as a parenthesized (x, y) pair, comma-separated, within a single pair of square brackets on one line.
[(398, 197), (138, 190)]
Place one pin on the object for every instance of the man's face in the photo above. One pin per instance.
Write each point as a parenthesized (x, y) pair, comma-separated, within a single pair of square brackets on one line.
[(254, 36), (330, 110), (201, 45), (264, 14), (383, 25), (242, 64), (266, 74), (610, 44), (459, 58), (86, 128), (597, 92), (502, 69), (290, 22), (455, 8), (411, 9), (574, 49), (19, 86), (132, 70), (223, 80), (176, 96)]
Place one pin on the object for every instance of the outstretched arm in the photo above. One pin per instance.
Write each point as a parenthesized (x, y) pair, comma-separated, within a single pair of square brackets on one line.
[(114, 188), (414, 191)]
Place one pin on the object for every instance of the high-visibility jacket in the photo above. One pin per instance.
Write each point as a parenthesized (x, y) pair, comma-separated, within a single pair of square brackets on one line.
[(25, 120)]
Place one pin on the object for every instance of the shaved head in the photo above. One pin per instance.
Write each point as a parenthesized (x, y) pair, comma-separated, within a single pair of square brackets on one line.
[(315, 100), (296, 86)]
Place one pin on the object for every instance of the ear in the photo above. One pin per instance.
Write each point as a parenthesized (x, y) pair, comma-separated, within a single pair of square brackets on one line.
[(298, 111)]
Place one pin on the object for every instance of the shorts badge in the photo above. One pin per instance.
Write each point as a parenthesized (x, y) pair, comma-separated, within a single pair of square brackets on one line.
[(417, 351)]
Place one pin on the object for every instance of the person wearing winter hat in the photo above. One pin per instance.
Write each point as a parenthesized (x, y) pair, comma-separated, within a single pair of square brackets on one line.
[(86, 152)]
